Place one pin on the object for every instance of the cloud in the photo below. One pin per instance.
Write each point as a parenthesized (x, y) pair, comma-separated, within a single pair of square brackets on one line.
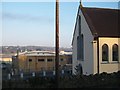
[(26, 17)]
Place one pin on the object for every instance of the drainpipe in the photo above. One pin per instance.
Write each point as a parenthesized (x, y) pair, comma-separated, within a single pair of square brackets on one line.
[(98, 66)]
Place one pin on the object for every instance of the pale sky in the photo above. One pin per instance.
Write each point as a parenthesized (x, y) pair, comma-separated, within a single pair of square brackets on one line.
[(33, 23)]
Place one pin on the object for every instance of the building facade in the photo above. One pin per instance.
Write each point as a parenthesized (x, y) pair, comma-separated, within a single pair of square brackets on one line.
[(7, 58), (40, 61), (96, 41)]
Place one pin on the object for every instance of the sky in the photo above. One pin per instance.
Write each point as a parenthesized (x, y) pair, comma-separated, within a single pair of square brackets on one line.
[(33, 23)]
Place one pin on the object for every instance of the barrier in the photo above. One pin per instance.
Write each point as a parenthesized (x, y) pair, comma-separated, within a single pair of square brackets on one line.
[(44, 73), (53, 72), (9, 76), (21, 75), (63, 72), (33, 74)]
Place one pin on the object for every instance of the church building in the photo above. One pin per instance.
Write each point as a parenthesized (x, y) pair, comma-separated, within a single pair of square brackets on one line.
[(96, 41)]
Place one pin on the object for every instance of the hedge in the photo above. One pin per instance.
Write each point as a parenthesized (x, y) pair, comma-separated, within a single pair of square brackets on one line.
[(104, 80)]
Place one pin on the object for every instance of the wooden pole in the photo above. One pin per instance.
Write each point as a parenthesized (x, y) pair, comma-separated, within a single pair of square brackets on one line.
[(57, 45)]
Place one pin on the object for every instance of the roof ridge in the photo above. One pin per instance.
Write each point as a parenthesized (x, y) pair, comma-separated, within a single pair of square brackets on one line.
[(101, 8)]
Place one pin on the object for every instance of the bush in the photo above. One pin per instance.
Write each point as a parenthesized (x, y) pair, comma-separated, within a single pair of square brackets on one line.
[(41, 82)]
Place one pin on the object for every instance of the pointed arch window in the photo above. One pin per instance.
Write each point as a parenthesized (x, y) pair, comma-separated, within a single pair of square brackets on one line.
[(105, 52), (80, 47), (115, 52)]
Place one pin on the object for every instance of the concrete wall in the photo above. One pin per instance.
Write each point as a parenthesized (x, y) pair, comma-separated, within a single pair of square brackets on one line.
[(35, 65)]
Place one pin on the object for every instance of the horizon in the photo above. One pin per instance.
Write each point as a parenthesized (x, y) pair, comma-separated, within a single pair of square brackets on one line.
[(34, 46)]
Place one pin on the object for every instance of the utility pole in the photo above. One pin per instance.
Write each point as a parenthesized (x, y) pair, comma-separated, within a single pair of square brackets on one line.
[(57, 45)]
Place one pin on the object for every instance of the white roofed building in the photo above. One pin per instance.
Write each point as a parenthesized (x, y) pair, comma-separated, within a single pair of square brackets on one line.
[(40, 60)]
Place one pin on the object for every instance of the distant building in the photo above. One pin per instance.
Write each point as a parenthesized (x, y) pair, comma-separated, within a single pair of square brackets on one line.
[(6, 58), (96, 41), (35, 61)]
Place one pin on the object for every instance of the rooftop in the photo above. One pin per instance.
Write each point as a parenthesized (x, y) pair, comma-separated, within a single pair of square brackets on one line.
[(103, 22), (44, 53)]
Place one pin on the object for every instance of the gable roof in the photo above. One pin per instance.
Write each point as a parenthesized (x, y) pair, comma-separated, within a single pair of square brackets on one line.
[(102, 22)]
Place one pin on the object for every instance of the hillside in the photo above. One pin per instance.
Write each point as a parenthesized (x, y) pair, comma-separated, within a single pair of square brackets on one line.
[(13, 49)]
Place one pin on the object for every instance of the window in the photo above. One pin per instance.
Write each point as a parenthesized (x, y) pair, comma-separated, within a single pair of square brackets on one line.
[(105, 52), (41, 60), (30, 60), (49, 60), (79, 40), (80, 47), (70, 60), (115, 52), (61, 59)]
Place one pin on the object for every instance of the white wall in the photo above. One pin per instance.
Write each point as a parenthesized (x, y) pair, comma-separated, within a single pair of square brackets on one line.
[(74, 48), (87, 64)]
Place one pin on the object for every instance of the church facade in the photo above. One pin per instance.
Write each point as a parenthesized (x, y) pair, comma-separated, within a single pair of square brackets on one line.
[(96, 41)]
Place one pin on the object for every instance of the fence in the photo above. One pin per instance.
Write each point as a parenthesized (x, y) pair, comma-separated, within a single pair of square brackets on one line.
[(13, 76), (102, 80)]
